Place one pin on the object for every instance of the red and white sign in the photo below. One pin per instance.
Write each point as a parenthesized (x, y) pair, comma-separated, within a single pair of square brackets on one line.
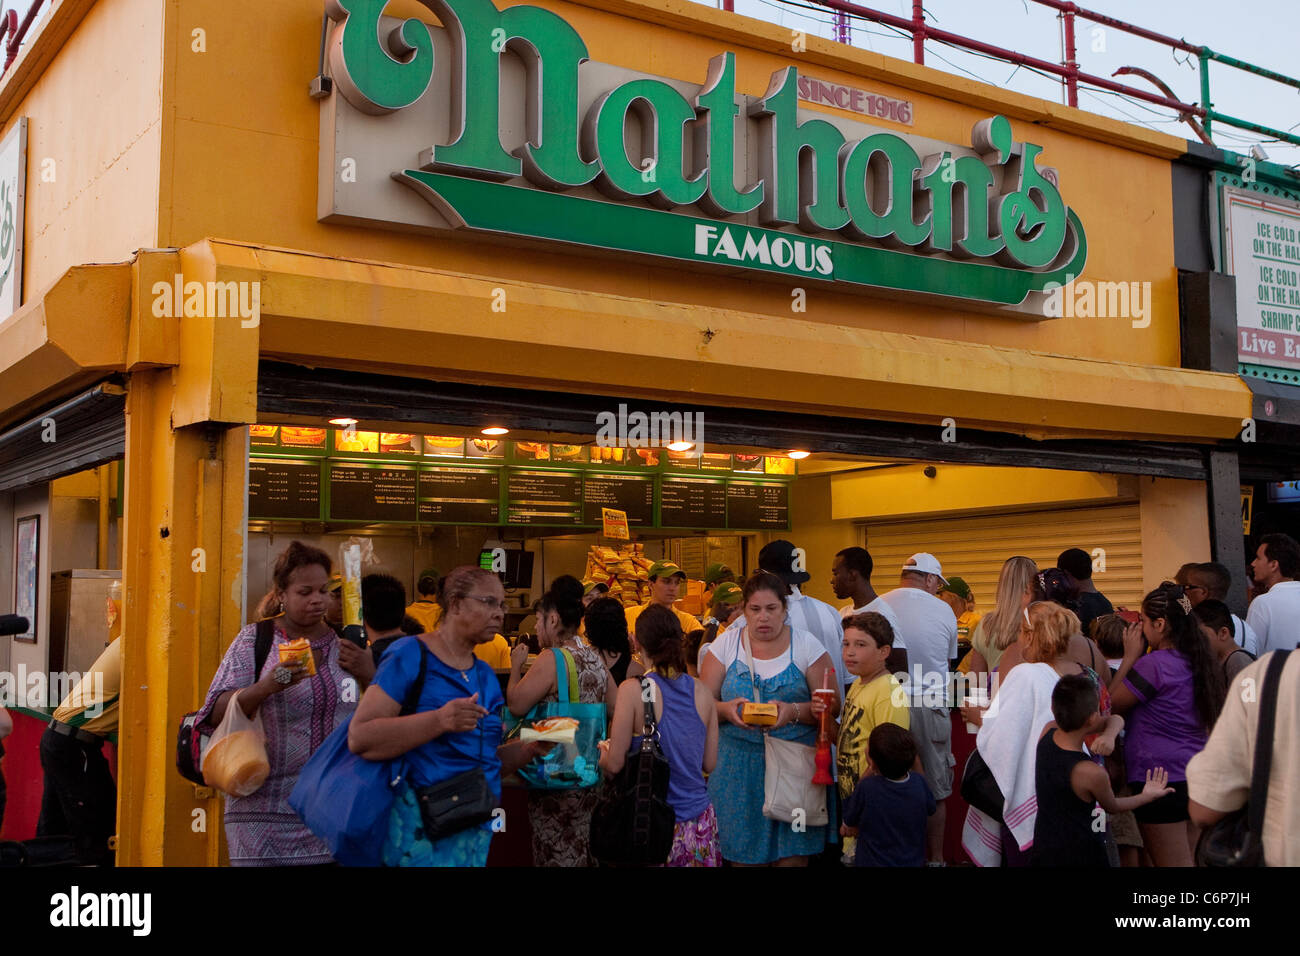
[(813, 90)]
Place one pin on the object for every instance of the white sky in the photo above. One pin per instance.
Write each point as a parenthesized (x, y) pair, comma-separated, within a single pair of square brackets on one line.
[(1263, 32)]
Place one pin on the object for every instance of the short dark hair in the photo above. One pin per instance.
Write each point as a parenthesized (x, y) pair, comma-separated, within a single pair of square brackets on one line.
[(1108, 631), (766, 581), (1218, 579), (298, 555), (892, 749), (1283, 549), (428, 584), (1215, 615), (859, 560), (659, 634), (1075, 698), (411, 626), (383, 601), (1058, 587), (564, 597), (876, 625), (606, 623), (1076, 562)]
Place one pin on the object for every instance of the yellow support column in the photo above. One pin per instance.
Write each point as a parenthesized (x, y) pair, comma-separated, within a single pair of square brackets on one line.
[(183, 567), (183, 555)]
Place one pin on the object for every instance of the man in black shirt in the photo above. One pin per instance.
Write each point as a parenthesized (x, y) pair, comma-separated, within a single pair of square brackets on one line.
[(383, 606), (1092, 603)]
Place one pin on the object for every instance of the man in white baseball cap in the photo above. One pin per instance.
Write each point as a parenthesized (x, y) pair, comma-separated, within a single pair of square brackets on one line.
[(931, 631)]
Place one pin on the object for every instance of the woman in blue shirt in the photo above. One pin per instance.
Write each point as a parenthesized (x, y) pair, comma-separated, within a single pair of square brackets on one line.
[(456, 726)]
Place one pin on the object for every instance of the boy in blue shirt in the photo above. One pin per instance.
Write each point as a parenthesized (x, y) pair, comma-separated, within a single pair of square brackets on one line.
[(890, 805)]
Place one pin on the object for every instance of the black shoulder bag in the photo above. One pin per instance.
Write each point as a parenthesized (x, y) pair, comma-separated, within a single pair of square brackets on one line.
[(633, 824), (461, 802), (1237, 839)]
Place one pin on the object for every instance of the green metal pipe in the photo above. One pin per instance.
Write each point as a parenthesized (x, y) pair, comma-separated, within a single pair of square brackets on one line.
[(1253, 127), (1205, 86), (1249, 67)]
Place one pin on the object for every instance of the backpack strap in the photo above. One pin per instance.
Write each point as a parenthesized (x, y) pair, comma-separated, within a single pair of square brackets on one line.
[(1264, 743), (412, 699), (262, 645), (650, 727)]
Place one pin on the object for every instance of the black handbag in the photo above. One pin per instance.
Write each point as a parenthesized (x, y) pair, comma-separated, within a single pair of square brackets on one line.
[(1237, 839), (458, 803), (632, 824), (980, 789)]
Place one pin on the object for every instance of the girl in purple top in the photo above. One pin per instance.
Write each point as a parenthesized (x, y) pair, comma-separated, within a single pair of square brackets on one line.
[(688, 734), (1170, 698)]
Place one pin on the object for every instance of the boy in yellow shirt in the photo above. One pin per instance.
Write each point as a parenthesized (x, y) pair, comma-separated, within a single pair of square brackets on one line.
[(875, 698)]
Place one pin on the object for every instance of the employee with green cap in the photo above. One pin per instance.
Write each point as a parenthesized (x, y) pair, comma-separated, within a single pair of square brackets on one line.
[(725, 608), (665, 580), (716, 574), (426, 608), (958, 595)]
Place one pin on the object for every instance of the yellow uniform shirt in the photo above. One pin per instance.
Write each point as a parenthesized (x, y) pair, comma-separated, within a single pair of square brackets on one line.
[(92, 704), (496, 653), (428, 613), (688, 621), (866, 706)]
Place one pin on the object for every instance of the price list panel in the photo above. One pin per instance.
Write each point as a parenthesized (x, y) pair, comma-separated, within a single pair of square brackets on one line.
[(460, 495), (283, 489), (753, 506), (372, 493), (630, 493), (692, 503), (544, 497)]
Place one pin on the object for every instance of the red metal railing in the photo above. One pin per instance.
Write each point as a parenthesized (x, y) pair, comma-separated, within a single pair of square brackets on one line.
[(16, 32), (1068, 70)]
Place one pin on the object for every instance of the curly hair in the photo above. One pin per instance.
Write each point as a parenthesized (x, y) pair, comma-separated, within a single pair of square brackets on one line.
[(297, 555), (1168, 603)]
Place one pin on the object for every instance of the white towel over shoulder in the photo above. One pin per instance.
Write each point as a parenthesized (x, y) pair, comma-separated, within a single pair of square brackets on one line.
[(1008, 742)]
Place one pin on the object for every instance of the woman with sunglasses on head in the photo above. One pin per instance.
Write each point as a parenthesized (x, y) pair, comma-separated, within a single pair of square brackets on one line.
[(560, 819), (1012, 725), (1059, 587), (455, 729), (1171, 697)]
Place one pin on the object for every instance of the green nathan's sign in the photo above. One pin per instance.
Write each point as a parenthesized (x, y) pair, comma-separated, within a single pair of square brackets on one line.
[(531, 139)]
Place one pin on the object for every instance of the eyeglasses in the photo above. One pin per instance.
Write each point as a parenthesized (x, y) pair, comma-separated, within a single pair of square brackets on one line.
[(489, 602)]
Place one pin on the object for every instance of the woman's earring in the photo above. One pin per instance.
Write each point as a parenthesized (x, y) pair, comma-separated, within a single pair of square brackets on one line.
[(281, 607)]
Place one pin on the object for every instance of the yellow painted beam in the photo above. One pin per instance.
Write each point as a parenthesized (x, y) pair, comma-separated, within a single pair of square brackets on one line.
[(318, 310), (69, 335), (183, 557), (904, 491)]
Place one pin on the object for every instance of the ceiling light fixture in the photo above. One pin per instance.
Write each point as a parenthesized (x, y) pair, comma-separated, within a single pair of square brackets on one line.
[(495, 430), (799, 455), (343, 422), (681, 446)]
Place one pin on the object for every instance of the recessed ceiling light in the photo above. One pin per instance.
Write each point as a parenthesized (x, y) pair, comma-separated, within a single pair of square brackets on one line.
[(681, 446), (495, 430), (799, 455), (344, 422)]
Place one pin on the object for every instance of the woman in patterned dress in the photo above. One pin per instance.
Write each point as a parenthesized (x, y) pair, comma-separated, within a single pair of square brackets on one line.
[(561, 819), (298, 711)]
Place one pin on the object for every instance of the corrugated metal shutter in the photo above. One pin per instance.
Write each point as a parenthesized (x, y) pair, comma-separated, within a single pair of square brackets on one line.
[(974, 548), (88, 430)]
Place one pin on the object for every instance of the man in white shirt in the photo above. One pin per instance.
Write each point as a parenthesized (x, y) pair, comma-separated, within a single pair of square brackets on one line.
[(1212, 581), (851, 579), (931, 631), (804, 613), (1275, 616)]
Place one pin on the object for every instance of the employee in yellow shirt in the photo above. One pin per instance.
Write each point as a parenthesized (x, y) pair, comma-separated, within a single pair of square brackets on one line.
[(665, 580), (426, 609), (80, 798)]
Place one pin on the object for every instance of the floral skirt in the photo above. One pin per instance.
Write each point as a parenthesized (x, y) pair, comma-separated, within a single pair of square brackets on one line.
[(561, 824), (407, 845), (695, 842)]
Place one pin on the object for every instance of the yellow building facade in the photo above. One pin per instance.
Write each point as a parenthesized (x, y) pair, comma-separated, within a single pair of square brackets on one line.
[(176, 143)]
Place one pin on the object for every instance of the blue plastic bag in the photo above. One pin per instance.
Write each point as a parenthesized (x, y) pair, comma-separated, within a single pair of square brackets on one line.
[(567, 766), (346, 799)]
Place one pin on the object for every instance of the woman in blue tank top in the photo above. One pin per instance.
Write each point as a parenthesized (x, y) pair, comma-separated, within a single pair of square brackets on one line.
[(688, 734)]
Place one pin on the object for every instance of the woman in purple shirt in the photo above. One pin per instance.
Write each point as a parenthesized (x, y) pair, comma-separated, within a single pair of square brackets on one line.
[(1170, 698), (688, 734)]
